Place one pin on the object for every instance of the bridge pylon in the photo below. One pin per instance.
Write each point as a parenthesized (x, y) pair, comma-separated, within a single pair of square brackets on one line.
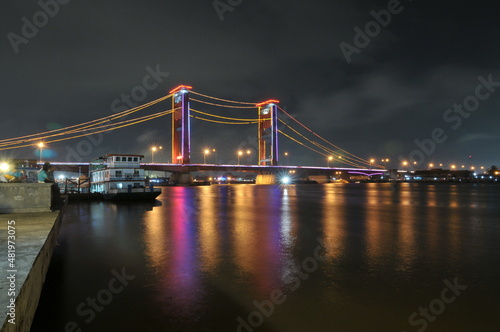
[(268, 132), (181, 125)]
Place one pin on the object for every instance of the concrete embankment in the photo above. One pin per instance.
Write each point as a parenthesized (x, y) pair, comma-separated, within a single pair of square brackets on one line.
[(32, 238)]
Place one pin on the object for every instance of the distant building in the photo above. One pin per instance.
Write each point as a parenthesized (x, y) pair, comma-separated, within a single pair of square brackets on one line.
[(439, 174)]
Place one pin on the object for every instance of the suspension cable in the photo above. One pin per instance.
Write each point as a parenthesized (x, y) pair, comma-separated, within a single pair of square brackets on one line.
[(361, 159), (345, 158), (293, 139), (143, 119), (17, 140), (223, 122), (223, 117), (228, 101), (228, 106)]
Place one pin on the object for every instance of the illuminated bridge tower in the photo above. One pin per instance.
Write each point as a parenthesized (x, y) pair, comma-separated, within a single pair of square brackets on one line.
[(268, 132), (181, 125)]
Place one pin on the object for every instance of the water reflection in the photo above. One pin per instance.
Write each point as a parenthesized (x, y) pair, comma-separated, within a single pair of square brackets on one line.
[(207, 253), (334, 222), (257, 246), (171, 240), (209, 236)]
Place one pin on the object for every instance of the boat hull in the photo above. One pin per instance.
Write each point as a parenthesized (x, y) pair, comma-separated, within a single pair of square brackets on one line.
[(146, 195)]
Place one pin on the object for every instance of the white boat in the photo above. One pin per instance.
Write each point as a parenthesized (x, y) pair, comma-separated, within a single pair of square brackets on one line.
[(120, 177)]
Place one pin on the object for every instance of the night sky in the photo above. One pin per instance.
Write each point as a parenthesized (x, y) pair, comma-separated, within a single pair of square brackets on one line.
[(389, 91)]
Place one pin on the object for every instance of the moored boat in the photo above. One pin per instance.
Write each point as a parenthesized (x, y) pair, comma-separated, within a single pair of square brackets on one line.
[(120, 177)]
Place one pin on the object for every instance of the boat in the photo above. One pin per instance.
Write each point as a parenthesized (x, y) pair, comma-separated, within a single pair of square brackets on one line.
[(119, 177)]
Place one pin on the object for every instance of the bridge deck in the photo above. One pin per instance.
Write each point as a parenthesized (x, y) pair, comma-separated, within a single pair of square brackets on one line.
[(68, 166)]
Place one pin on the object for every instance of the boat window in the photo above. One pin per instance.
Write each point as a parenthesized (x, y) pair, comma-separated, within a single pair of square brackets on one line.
[(118, 174), (129, 158), (135, 159)]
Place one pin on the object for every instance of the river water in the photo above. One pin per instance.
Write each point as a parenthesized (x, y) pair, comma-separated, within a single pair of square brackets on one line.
[(332, 257)]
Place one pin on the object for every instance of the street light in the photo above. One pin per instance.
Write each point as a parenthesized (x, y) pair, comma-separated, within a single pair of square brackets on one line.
[(41, 146), (371, 162), (215, 151), (287, 161), (385, 161), (153, 150), (248, 155), (330, 158), (240, 153), (207, 151)]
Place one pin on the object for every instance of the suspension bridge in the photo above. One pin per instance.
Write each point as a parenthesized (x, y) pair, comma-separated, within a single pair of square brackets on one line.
[(273, 123)]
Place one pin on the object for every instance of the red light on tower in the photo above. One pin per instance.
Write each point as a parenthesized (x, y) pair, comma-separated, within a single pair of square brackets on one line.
[(179, 88), (270, 101)]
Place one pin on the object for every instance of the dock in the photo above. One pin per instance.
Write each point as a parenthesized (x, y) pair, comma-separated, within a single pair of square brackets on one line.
[(21, 283)]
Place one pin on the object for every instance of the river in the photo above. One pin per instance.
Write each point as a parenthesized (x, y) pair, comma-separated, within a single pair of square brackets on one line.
[(332, 257)]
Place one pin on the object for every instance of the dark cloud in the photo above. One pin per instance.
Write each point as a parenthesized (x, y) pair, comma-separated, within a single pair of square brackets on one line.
[(393, 92)]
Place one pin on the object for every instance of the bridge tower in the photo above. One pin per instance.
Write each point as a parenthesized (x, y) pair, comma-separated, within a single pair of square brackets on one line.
[(181, 125), (268, 132)]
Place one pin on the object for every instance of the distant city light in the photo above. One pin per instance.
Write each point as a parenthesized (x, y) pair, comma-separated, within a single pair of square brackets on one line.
[(286, 180)]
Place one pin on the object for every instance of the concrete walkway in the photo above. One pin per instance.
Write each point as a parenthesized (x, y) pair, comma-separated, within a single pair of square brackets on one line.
[(35, 237)]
